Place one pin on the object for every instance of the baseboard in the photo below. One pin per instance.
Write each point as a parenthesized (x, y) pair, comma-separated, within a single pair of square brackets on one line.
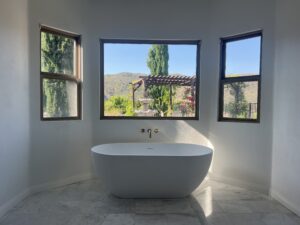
[(240, 183), (4, 208), (60, 183), (275, 195)]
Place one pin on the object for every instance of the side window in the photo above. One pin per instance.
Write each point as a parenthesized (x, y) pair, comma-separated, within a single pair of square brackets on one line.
[(60, 75), (240, 77)]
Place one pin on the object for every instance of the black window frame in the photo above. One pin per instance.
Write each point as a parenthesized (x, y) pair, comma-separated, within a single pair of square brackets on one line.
[(76, 78), (225, 80), (146, 41)]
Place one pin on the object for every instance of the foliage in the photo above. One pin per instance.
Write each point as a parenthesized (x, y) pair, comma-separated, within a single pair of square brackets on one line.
[(55, 98), (57, 57), (118, 106), (158, 63), (158, 60), (188, 105), (129, 109), (238, 108)]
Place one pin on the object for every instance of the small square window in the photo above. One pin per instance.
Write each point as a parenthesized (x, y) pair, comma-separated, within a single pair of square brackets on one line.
[(240, 78), (243, 57), (60, 98), (240, 100), (58, 54)]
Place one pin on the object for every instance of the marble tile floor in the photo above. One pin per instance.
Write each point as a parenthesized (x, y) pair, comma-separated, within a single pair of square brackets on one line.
[(87, 203)]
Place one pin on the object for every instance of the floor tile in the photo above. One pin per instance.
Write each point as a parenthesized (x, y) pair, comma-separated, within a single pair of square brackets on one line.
[(267, 206), (163, 206), (119, 219), (166, 219), (218, 219), (246, 219), (89, 203), (231, 206), (280, 219)]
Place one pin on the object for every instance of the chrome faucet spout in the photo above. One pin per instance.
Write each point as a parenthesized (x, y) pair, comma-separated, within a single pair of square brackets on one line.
[(149, 131)]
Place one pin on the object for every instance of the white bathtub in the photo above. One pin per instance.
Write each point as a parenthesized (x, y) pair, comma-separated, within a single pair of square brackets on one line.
[(147, 170)]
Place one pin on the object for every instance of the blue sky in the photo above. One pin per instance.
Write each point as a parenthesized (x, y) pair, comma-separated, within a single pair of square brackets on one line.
[(133, 58), (242, 58)]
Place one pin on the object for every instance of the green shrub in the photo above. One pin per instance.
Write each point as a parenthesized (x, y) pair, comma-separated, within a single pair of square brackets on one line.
[(118, 106)]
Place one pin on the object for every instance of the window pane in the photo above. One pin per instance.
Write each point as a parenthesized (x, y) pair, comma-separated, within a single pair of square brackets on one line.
[(57, 54), (243, 57), (149, 80), (240, 100), (59, 98)]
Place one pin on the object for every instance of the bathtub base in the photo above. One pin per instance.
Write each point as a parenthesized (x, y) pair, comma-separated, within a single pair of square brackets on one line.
[(152, 176)]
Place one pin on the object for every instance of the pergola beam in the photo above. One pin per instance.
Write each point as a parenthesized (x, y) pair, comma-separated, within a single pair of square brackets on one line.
[(168, 80), (162, 80)]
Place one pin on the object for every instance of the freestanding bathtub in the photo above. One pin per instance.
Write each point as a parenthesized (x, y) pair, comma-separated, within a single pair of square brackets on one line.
[(147, 170)]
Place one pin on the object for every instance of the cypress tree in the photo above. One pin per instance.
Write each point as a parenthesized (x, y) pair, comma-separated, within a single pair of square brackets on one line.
[(158, 63), (239, 107), (56, 58)]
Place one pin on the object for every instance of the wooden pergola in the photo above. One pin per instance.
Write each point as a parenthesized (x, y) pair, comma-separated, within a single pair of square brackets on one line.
[(163, 80)]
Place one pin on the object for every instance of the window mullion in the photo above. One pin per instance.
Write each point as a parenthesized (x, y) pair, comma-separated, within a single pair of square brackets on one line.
[(60, 77), (241, 79)]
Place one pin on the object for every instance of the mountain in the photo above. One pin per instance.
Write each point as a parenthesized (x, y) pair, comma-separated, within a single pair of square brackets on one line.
[(119, 84)]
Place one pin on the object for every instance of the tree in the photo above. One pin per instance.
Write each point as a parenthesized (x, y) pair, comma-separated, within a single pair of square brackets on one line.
[(158, 63), (57, 57), (238, 108), (118, 106)]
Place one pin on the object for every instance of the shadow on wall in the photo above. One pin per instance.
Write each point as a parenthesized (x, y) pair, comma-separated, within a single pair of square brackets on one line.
[(112, 131)]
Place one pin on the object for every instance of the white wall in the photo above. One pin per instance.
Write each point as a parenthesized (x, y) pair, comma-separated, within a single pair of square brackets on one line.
[(14, 101), (243, 150), (60, 149), (286, 133)]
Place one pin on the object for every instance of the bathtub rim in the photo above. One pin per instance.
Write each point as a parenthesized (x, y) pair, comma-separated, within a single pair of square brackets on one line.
[(208, 150)]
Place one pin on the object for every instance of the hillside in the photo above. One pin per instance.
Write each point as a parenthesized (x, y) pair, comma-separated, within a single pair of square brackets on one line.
[(118, 84)]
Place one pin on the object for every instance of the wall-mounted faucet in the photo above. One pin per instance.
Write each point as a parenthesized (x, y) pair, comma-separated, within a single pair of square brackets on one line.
[(149, 131)]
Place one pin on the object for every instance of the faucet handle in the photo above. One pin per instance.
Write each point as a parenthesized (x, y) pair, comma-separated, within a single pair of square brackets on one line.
[(156, 130), (143, 130)]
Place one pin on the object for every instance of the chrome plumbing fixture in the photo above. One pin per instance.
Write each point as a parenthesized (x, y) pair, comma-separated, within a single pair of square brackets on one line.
[(150, 131)]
